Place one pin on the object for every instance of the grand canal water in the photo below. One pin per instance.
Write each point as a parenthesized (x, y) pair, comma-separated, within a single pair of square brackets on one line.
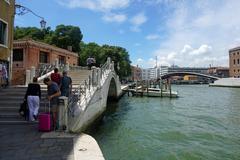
[(204, 123)]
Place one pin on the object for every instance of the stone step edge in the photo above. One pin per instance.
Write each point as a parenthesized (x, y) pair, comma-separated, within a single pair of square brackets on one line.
[(15, 122), (85, 147)]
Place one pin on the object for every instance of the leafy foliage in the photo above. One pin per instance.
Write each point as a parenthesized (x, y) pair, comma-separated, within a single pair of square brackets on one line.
[(62, 37), (117, 54)]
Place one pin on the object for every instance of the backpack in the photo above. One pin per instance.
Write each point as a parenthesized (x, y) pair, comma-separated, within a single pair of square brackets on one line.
[(24, 111)]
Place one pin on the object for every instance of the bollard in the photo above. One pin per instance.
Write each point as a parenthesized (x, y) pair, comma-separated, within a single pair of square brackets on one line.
[(62, 114), (56, 63), (66, 67), (32, 73), (28, 77)]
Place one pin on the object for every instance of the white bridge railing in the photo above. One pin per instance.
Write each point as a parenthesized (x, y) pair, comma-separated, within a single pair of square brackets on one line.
[(82, 95)]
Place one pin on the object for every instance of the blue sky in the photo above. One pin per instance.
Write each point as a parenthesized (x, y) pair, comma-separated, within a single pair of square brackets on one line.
[(193, 33)]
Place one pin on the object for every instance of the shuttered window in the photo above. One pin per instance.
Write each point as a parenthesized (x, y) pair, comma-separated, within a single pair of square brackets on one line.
[(3, 33)]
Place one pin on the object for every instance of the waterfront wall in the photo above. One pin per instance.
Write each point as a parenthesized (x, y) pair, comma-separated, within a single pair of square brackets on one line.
[(83, 117), (227, 82)]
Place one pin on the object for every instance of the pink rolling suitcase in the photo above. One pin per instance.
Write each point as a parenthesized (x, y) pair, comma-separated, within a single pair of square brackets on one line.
[(44, 120)]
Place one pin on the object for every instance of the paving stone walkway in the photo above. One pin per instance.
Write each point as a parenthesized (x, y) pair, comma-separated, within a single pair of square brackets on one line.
[(24, 142)]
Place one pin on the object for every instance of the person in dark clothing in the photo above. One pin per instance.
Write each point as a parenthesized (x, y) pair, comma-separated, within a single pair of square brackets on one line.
[(33, 96), (56, 77), (65, 85), (53, 94)]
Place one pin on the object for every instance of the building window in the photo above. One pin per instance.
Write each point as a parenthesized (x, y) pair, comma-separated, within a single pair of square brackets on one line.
[(43, 57), (3, 33), (237, 53), (62, 59), (234, 54), (234, 70), (237, 61), (234, 61), (17, 54)]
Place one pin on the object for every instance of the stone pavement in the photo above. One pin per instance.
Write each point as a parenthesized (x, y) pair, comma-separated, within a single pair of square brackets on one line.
[(25, 142)]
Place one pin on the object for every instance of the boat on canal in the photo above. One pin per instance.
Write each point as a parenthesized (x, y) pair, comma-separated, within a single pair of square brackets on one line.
[(154, 92)]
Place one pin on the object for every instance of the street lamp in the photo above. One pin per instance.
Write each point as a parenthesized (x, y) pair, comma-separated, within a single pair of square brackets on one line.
[(21, 10), (43, 24)]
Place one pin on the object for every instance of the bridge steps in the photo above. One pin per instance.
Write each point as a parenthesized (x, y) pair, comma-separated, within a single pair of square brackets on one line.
[(12, 97), (10, 100)]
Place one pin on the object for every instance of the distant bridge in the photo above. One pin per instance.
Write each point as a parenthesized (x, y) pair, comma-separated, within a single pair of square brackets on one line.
[(165, 76)]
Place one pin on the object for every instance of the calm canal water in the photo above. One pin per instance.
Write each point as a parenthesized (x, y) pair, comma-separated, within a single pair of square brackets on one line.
[(204, 123)]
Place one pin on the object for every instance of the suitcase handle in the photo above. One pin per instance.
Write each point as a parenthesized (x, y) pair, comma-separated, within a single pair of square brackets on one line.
[(48, 106)]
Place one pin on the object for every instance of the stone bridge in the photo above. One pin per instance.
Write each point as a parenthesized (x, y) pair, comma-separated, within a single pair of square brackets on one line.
[(168, 75), (89, 100)]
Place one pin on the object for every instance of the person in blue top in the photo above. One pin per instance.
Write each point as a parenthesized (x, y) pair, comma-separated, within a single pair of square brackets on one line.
[(65, 84), (53, 92)]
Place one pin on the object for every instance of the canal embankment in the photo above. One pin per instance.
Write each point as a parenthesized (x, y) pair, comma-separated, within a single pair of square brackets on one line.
[(25, 142), (226, 82)]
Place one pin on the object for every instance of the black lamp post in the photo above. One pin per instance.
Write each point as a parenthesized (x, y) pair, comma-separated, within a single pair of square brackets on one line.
[(21, 10), (43, 24)]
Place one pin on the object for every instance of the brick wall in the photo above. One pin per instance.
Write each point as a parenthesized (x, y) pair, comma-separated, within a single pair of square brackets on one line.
[(234, 63), (31, 57)]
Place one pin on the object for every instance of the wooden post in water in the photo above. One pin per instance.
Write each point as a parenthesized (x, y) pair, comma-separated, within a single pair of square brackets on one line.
[(170, 88), (161, 88), (147, 87)]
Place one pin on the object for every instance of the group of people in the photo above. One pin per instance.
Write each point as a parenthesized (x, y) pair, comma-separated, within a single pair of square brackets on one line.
[(57, 85)]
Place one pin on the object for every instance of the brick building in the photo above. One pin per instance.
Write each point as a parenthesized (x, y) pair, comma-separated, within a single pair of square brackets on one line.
[(234, 62), (136, 73), (221, 72), (28, 53)]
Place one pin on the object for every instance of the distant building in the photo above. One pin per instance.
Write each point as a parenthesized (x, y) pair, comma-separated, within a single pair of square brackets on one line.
[(136, 73), (150, 73), (6, 34), (234, 62), (190, 78), (221, 72), (163, 70), (28, 53), (188, 69)]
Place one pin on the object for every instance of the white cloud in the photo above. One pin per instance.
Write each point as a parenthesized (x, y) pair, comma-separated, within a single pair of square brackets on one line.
[(186, 49), (137, 21), (202, 50), (107, 7), (187, 56), (140, 60), (111, 17), (96, 5), (152, 37), (201, 33)]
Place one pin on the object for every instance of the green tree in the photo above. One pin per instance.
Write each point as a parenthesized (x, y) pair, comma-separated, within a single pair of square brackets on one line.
[(91, 49), (65, 36), (117, 54), (62, 37), (28, 32)]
